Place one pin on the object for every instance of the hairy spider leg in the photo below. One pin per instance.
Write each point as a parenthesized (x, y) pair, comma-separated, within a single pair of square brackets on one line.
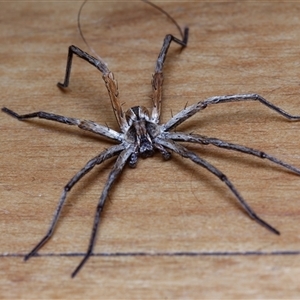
[(157, 80), (205, 164), (193, 109), (82, 124), (116, 171), (110, 152), (108, 77), (200, 139)]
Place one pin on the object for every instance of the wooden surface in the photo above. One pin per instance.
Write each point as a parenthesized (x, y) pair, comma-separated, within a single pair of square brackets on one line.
[(160, 208)]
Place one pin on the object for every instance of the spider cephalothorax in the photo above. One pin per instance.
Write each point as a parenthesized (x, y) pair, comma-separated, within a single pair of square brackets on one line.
[(138, 133), (141, 134)]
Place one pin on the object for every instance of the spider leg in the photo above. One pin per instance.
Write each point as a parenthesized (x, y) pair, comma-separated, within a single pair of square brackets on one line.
[(193, 109), (157, 80), (113, 92), (42, 115), (106, 154), (196, 138), (117, 169), (165, 47), (100, 65), (196, 159), (108, 77), (82, 124)]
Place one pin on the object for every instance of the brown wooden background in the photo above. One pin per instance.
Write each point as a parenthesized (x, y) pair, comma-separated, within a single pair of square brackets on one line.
[(159, 208)]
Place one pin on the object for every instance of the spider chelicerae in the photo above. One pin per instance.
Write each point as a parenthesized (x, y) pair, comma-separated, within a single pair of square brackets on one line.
[(141, 134)]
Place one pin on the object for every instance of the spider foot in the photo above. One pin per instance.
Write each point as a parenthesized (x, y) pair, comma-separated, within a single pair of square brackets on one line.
[(11, 112), (63, 87)]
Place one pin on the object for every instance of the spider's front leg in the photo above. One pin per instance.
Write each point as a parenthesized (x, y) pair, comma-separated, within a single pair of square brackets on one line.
[(157, 80), (193, 109), (108, 77), (100, 65)]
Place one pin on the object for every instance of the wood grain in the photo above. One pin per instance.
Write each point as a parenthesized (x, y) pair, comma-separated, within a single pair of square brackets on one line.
[(160, 208)]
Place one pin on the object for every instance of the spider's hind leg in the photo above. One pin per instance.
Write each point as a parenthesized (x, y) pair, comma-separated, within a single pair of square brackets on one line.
[(203, 140), (116, 171), (112, 151), (203, 163)]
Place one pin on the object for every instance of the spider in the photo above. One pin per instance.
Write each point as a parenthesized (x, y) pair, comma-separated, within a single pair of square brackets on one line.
[(141, 134)]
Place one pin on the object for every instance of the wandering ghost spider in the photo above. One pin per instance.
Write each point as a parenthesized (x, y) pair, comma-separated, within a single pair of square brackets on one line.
[(141, 134)]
